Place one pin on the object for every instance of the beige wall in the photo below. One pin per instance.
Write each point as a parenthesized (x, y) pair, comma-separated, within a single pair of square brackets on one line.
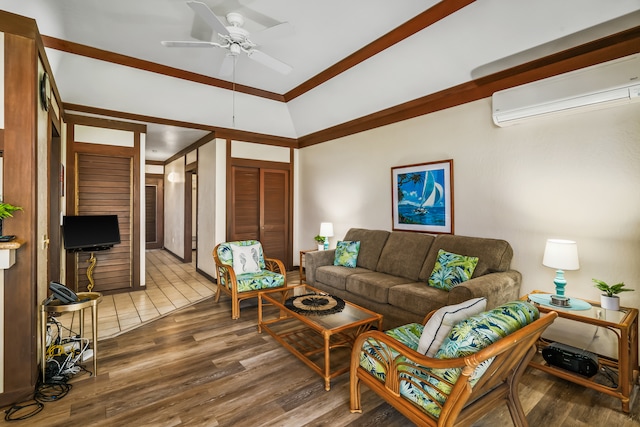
[(573, 177)]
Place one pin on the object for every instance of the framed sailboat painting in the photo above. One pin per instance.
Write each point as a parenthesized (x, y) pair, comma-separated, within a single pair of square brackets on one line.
[(422, 197)]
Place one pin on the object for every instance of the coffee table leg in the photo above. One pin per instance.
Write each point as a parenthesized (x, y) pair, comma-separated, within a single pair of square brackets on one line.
[(327, 360)]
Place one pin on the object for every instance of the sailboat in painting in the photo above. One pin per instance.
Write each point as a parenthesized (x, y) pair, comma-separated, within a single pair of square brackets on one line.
[(431, 194)]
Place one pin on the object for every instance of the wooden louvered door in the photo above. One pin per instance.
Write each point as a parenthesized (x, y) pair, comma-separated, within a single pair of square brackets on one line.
[(154, 212), (105, 187), (259, 209)]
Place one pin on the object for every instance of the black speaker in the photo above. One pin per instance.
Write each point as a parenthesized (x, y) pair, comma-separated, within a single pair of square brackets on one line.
[(570, 358)]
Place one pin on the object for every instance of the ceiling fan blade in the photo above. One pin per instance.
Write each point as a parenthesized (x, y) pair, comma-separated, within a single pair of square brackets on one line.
[(269, 61), (276, 32), (188, 44), (226, 69), (209, 17)]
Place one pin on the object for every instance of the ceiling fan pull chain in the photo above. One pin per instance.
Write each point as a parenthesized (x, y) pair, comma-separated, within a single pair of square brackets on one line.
[(233, 95)]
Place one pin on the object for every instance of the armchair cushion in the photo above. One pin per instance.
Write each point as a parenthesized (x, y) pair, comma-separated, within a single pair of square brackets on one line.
[(264, 279), (246, 259), (225, 253), (443, 320)]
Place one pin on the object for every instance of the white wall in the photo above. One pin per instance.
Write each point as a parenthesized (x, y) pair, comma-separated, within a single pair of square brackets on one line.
[(206, 207), (573, 177), (174, 207)]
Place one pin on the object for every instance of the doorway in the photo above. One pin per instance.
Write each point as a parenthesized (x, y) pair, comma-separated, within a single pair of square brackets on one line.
[(154, 211), (56, 192), (190, 212)]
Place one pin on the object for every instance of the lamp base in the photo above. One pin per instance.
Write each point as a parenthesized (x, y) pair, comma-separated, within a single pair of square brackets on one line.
[(559, 300)]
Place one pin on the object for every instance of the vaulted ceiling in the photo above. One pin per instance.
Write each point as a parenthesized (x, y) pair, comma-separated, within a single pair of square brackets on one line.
[(355, 64)]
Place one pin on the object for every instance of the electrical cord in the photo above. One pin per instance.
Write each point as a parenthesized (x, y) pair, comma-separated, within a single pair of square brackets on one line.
[(61, 365), (45, 392)]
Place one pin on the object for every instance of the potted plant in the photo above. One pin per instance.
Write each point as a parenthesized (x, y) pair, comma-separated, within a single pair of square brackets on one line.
[(610, 300), (320, 241), (6, 211)]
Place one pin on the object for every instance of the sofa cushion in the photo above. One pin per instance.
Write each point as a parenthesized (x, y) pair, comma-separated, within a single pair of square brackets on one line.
[(445, 318), (347, 253), (404, 253), (371, 244), (493, 254), (336, 276), (451, 270), (417, 298), (373, 285)]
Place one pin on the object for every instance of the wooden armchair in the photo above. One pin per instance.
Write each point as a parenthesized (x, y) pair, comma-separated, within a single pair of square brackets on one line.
[(243, 271), (443, 391)]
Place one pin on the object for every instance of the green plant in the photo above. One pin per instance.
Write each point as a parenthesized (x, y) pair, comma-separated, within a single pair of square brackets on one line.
[(610, 290), (6, 210), (319, 239)]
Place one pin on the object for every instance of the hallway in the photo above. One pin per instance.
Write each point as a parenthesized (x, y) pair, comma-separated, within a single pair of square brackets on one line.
[(170, 284)]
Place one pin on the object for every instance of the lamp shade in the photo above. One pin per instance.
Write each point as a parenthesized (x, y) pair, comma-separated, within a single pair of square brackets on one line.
[(561, 254), (326, 229)]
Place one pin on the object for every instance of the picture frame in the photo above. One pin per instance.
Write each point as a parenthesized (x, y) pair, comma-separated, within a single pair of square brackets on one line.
[(422, 197)]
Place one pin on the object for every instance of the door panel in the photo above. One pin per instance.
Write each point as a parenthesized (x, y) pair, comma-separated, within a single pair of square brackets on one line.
[(245, 219), (275, 207), (259, 209)]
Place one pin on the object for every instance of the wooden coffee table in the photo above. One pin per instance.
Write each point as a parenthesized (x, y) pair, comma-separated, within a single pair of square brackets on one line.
[(311, 338)]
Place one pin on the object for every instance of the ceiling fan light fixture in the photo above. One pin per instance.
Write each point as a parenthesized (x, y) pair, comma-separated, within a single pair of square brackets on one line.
[(235, 49)]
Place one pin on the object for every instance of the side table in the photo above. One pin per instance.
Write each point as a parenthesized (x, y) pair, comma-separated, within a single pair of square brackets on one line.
[(303, 276), (55, 306), (624, 324)]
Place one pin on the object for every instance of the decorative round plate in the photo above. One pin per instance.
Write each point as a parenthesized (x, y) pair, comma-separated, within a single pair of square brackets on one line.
[(315, 304)]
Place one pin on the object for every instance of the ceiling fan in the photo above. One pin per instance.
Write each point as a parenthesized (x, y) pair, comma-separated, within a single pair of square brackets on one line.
[(235, 39)]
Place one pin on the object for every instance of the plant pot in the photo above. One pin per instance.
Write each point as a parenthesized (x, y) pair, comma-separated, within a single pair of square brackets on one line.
[(321, 246), (610, 303)]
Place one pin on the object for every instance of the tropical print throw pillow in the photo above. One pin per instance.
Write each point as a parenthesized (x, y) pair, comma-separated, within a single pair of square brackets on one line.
[(347, 253), (451, 270)]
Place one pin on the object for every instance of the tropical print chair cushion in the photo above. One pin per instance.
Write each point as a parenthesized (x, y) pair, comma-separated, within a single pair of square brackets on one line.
[(264, 279), (443, 320), (469, 336), (451, 270), (347, 254)]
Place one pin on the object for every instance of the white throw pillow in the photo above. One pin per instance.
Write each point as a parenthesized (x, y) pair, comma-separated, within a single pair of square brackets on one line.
[(445, 318), (246, 259)]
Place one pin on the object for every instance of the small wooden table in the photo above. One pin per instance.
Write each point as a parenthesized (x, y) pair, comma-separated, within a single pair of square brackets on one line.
[(311, 338), (624, 325), (55, 306), (303, 275)]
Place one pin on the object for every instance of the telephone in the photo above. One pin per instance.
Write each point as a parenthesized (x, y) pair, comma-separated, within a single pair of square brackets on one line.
[(64, 294)]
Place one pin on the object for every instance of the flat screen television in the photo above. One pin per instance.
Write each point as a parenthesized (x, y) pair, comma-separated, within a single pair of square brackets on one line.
[(90, 232)]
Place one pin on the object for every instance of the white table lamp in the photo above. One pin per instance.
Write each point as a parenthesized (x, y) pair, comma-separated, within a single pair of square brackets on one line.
[(561, 255), (326, 231)]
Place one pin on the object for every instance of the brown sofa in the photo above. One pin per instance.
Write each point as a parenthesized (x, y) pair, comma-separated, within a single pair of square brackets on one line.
[(393, 268)]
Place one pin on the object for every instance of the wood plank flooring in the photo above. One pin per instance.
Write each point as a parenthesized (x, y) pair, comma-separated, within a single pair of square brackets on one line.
[(197, 367)]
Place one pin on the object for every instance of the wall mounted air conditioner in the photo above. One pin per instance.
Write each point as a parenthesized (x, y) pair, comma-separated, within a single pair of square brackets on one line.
[(602, 85)]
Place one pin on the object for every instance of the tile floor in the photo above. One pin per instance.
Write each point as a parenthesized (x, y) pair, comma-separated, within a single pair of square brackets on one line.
[(170, 284)]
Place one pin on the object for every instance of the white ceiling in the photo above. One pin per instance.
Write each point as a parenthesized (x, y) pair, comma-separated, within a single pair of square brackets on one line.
[(483, 37)]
